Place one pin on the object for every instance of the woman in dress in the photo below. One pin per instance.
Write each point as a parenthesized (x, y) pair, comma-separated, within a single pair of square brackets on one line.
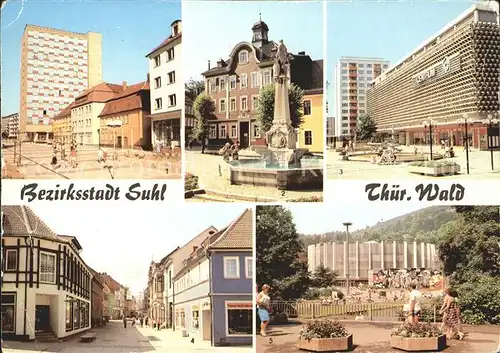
[(264, 307), (451, 315)]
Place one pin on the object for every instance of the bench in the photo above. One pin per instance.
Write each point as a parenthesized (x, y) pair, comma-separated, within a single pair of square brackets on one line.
[(88, 337)]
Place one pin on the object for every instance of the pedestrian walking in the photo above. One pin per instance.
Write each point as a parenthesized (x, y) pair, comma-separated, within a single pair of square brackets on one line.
[(133, 321), (100, 155), (141, 321), (146, 321), (264, 308), (53, 162), (451, 316), (124, 322)]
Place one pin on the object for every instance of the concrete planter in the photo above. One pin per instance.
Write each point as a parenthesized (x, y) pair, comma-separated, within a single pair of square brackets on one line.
[(326, 344), (432, 344), (435, 171)]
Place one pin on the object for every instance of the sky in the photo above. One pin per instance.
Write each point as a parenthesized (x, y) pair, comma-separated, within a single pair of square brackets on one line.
[(317, 218), (123, 240), (389, 30), (212, 29), (130, 30)]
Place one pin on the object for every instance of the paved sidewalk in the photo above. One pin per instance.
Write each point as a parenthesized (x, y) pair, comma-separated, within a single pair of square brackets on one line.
[(113, 338), (371, 338), (479, 166), (37, 158)]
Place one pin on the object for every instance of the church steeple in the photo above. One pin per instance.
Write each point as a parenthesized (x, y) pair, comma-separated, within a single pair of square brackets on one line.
[(260, 33)]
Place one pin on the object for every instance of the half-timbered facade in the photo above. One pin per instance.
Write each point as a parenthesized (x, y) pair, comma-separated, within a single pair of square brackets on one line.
[(46, 285)]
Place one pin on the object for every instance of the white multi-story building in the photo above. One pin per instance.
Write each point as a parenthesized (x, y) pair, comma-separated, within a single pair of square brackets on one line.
[(85, 119), (353, 76), (330, 130), (13, 125), (46, 285), (56, 66), (167, 89)]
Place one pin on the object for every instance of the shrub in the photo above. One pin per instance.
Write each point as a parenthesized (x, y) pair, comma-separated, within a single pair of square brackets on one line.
[(426, 315), (190, 182), (479, 301), (417, 330), (323, 329), (307, 199)]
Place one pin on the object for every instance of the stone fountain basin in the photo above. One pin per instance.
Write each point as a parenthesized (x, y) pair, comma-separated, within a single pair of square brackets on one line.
[(307, 176)]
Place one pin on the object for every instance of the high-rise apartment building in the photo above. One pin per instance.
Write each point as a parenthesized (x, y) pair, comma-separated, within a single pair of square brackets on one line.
[(353, 76), (56, 66)]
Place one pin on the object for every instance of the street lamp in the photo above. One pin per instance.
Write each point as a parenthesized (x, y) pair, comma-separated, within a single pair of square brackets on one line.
[(114, 124), (465, 122), (348, 284), (493, 136), (429, 124)]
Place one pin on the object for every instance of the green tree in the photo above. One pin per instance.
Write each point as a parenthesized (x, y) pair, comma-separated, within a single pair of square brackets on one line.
[(366, 128), (470, 246), (323, 277), (204, 109), (194, 88), (265, 113), (278, 248)]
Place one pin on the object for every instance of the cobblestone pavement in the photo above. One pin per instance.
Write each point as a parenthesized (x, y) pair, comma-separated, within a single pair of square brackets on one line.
[(371, 338), (113, 338), (479, 165), (206, 167), (36, 165)]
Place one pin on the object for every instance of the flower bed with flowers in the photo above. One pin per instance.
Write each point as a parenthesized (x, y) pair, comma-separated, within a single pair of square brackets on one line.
[(417, 337), (324, 336)]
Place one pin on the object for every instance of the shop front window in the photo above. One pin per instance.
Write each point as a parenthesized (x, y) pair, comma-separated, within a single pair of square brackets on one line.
[(239, 321), (196, 321), (69, 314), (76, 315), (8, 312), (183, 319)]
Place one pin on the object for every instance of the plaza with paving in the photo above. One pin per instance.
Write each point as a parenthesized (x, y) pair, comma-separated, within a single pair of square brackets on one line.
[(479, 166), (206, 167), (375, 338), (130, 164), (114, 338)]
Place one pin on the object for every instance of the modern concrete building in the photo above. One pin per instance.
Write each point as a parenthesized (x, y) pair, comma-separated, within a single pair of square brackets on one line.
[(364, 258), (330, 130), (353, 76), (167, 88), (10, 125), (56, 66), (46, 285), (449, 81), (234, 85), (213, 291)]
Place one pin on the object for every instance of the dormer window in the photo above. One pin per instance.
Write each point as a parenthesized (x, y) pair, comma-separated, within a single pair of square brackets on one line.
[(243, 57), (176, 30)]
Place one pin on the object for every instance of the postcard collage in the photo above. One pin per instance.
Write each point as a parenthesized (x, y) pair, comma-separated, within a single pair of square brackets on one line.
[(250, 176)]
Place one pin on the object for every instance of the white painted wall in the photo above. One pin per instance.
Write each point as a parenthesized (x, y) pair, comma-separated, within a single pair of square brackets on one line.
[(46, 294), (162, 71), (79, 118)]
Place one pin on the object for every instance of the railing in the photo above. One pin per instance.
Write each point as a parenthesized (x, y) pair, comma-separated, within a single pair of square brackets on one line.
[(392, 311)]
